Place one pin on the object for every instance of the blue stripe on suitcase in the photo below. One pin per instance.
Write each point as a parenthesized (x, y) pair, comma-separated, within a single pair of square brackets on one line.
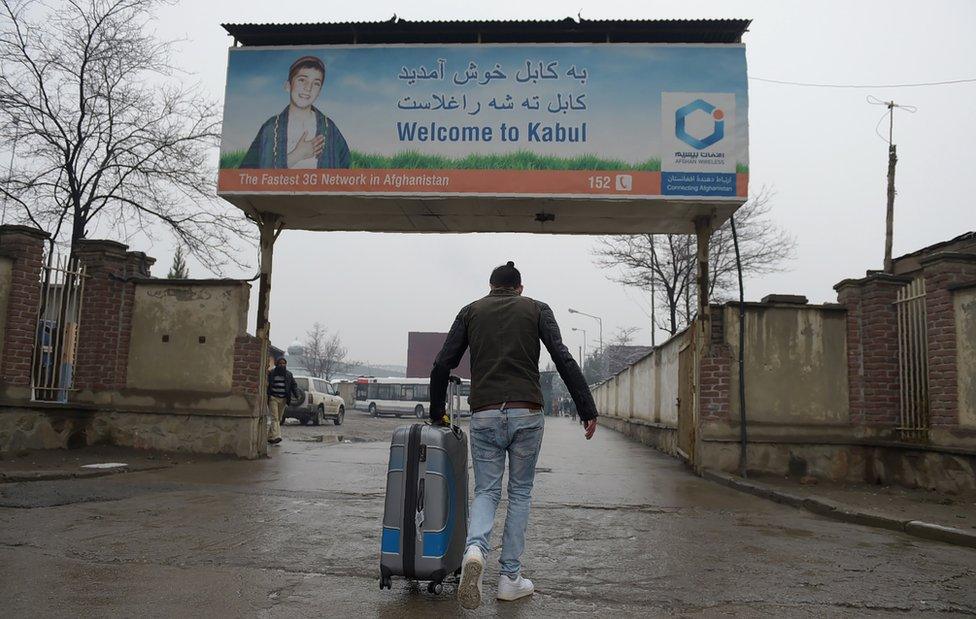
[(391, 540), (436, 542)]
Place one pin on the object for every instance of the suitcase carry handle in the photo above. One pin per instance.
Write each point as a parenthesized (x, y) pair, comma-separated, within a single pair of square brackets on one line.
[(454, 401)]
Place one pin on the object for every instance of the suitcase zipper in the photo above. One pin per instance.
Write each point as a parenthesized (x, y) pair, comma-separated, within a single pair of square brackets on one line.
[(409, 524)]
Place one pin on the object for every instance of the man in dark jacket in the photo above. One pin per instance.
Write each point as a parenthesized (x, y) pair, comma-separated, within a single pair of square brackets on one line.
[(281, 389), (503, 331)]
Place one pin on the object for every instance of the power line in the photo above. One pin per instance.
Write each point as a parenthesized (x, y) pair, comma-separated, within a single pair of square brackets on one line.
[(968, 80)]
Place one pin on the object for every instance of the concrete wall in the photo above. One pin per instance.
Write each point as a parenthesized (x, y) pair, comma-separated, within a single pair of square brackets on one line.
[(647, 390), (666, 382), (964, 301), (183, 335), (795, 364), (641, 401), (823, 389)]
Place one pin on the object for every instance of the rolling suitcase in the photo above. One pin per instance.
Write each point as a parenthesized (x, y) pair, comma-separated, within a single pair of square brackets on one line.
[(425, 520)]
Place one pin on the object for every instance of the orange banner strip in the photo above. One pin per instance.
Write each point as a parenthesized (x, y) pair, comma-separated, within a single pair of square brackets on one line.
[(441, 181), (538, 182)]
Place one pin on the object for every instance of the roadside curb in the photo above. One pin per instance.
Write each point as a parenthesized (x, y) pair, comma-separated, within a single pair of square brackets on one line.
[(29, 476), (845, 513)]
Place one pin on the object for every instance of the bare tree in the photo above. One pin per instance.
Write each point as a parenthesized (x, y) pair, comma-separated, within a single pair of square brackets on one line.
[(112, 134), (624, 336), (314, 349), (667, 262), (335, 356), (324, 354)]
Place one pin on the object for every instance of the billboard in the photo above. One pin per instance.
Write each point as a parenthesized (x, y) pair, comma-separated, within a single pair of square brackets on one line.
[(590, 121)]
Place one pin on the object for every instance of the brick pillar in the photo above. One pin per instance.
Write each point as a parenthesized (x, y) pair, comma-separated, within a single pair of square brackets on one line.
[(247, 358), (941, 272), (138, 264), (716, 372), (24, 246), (106, 313), (872, 349)]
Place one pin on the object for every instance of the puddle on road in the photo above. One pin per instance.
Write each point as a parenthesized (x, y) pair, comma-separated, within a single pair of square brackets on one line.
[(333, 439)]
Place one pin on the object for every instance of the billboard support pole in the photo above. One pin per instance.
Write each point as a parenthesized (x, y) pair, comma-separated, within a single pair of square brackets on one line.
[(269, 229), (267, 223), (703, 234)]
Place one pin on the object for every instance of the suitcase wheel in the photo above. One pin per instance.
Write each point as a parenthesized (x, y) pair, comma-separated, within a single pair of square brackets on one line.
[(435, 587)]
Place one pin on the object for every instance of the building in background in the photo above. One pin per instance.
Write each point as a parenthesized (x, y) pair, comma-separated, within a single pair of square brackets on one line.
[(621, 357), (422, 348)]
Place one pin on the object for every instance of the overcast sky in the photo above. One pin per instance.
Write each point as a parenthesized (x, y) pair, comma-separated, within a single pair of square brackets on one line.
[(816, 146)]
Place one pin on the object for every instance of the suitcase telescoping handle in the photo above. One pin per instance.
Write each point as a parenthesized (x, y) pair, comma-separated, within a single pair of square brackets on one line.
[(454, 400)]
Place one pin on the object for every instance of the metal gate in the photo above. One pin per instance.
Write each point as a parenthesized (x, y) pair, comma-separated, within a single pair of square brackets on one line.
[(913, 369), (56, 338)]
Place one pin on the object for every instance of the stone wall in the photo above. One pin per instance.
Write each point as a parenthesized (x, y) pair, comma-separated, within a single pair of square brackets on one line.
[(162, 364), (822, 388), (66, 427)]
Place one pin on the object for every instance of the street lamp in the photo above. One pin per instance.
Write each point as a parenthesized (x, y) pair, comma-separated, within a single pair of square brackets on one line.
[(583, 331), (603, 353), (597, 318)]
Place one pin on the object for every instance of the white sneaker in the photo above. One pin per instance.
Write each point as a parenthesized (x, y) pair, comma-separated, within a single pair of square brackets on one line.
[(472, 570), (509, 589)]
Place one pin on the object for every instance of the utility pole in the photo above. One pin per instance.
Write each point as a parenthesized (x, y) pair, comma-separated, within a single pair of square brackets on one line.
[(892, 161)]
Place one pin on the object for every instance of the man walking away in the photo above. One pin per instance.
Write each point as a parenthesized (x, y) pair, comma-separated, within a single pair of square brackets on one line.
[(503, 331), (281, 388)]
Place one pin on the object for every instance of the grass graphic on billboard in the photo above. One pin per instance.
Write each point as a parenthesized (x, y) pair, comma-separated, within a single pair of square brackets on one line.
[(519, 160)]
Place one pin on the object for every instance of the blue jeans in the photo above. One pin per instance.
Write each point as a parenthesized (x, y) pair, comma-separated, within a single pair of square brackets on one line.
[(494, 433)]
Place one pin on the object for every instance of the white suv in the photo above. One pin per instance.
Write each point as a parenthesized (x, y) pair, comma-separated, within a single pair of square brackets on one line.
[(319, 401)]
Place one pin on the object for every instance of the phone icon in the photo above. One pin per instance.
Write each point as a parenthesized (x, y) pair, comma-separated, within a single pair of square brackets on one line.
[(625, 182)]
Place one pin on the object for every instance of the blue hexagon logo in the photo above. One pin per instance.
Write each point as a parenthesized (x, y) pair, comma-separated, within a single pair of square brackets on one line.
[(718, 131)]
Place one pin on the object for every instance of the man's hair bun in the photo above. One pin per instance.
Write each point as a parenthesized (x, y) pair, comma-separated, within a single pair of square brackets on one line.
[(506, 276)]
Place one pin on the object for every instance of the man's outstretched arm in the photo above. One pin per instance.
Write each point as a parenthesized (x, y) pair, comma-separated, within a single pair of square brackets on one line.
[(447, 359), (567, 367)]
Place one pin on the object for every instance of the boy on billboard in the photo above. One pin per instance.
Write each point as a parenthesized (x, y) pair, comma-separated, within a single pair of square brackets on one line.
[(300, 136)]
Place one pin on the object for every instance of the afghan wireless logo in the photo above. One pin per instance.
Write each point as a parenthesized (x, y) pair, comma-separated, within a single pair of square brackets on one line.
[(718, 130)]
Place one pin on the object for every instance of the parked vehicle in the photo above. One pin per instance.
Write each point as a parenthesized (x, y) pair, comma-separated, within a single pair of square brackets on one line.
[(401, 396), (319, 401)]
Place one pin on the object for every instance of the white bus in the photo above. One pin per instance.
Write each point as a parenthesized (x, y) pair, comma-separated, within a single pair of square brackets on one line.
[(401, 396)]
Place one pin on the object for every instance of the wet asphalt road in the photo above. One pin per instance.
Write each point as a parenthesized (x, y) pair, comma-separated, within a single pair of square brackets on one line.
[(617, 530)]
